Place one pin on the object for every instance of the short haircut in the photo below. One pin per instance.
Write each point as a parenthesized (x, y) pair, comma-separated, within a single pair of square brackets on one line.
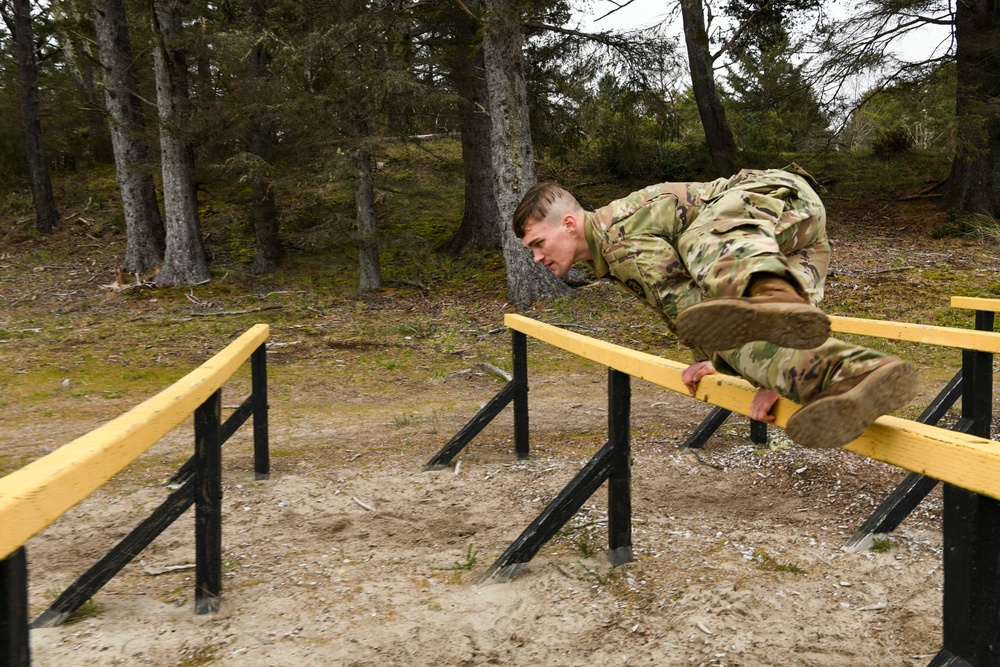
[(537, 202)]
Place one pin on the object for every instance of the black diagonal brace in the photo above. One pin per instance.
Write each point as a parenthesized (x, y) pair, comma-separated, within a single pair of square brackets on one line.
[(472, 429), (707, 428), (554, 517), (118, 557), (914, 488)]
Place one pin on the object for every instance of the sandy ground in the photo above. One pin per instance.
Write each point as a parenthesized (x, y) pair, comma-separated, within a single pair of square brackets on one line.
[(350, 555)]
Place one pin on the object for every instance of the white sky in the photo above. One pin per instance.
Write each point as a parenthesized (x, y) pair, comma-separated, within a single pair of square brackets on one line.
[(646, 13)]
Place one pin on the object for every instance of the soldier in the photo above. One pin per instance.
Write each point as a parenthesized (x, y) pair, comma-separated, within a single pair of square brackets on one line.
[(736, 268)]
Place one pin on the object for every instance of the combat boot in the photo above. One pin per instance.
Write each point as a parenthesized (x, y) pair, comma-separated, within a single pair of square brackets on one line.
[(772, 310), (844, 411)]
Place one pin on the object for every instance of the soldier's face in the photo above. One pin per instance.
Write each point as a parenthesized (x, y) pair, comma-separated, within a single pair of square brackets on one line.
[(552, 244)]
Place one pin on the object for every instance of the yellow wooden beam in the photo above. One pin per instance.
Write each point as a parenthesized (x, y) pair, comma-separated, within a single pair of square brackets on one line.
[(966, 339), (964, 460), (36, 495), (975, 303)]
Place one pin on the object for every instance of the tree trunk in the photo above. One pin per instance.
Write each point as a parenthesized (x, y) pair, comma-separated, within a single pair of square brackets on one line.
[(480, 228), (46, 214), (264, 211), (718, 134), (184, 261), (370, 277), (80, 62), (974, 183), (144, 235), (513, 155)]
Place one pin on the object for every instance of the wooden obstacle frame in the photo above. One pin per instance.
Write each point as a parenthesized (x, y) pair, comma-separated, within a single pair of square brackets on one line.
[(34, 496), (972, 383), (965, 459)]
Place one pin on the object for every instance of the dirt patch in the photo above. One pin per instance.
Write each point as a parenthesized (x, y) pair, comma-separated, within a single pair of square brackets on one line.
[(347, 556)]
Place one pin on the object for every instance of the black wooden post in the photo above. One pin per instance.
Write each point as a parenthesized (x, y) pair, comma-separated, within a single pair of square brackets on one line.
[(208, 505), (620, 479), (258, 384), (16, 650), (977, 390), (516, 391), (971, 632), (519, 352)]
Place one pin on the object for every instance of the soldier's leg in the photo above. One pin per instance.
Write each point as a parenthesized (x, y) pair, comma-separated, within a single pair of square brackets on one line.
[(843, 388), (761, 258)]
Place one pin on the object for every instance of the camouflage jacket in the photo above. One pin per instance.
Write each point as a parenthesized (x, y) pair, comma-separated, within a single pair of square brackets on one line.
[(631, 240)]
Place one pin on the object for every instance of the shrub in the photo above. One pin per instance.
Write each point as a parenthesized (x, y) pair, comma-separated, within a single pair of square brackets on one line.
[(892, 142)]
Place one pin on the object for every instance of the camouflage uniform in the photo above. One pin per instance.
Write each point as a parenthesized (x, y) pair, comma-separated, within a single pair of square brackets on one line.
[(672, 251)]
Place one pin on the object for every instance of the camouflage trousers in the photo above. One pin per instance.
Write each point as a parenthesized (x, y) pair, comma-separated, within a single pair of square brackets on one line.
[(798, 375), (770, 222), (757, 222)]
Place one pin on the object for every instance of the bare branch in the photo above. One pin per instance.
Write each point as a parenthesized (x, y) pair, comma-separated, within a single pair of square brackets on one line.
[(618, 6), (466, 10), (606, 38)]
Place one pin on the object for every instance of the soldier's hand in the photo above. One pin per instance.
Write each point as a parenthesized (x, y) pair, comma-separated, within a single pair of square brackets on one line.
[(760, 406), (693, 374)]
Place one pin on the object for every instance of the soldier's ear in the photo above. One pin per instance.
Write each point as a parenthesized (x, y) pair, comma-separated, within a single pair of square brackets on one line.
[(569, 221)]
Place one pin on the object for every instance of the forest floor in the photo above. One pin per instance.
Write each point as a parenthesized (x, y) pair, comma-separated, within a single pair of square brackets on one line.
[(350, 555)]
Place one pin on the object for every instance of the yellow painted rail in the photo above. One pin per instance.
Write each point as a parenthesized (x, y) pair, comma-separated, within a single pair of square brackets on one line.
[(36, 495), (963, 460), (966, 339), (976, 303)]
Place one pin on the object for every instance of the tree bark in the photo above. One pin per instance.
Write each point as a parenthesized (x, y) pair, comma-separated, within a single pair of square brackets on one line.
[(513, 154), (480, 228), (80, 63), (184, 261), (370, 277), (264, 211), (718, 134), (144, 235), (46, 213), (974, 183)]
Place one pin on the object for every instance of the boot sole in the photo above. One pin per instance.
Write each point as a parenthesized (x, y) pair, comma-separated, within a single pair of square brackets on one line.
[(837, 420), (727, 323)]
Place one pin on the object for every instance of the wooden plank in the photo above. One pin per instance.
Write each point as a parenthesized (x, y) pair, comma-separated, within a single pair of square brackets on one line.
[(36, 495), (976, 303), (957, 458), (966, 339), (724, 391)]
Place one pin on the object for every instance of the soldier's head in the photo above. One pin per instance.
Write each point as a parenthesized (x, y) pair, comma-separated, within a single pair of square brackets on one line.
[(549, 221)]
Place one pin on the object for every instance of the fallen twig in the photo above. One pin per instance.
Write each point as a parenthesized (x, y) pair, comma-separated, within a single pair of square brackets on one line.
[(895, 268), (493, 370), (703, 461), (236, 312), (365, 505), (153, 571)]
